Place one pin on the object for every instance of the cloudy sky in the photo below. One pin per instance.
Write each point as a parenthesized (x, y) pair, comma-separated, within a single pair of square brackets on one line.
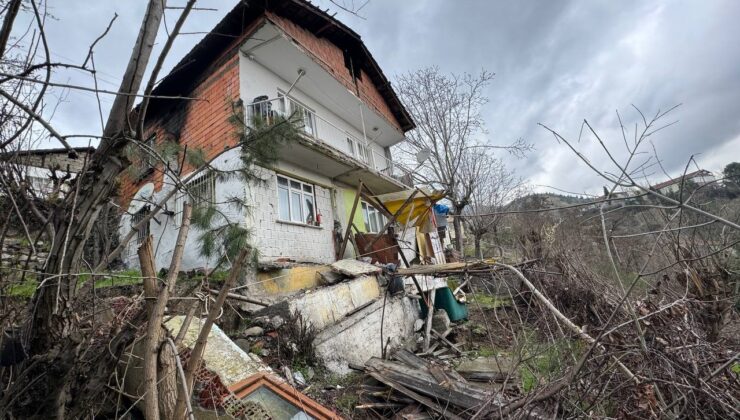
[(556, 63)]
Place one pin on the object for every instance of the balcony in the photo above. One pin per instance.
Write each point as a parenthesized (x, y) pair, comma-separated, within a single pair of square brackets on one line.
[(352, 158)]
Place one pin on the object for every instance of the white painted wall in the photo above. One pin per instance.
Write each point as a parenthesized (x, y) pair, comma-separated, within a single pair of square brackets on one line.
[(274, 239), (277, 239)]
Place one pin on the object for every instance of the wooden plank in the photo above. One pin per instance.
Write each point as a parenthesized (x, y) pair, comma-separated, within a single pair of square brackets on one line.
[(349, 225), (444, 411), (405, 356), (459, 394), (449, 344)]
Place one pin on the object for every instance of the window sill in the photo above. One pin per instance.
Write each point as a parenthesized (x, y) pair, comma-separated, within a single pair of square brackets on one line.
[(287, 222)]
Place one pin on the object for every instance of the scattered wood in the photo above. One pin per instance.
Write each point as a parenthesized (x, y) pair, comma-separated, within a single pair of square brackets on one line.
[(239, 297), (487, 265)]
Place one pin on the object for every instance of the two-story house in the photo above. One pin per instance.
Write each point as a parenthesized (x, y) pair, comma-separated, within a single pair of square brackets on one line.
[(274, 58)]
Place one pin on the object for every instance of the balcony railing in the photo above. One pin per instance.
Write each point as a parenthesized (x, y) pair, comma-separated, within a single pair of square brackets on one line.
[(324, 131)]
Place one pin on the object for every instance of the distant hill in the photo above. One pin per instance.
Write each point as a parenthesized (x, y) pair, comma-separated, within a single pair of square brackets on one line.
[(546, 200)]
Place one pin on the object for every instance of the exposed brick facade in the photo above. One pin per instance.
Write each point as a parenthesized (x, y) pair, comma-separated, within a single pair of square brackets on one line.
[(202, 123), (331, 58)]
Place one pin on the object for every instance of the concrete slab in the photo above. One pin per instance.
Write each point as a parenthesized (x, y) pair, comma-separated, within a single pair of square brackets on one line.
[(221, 356), (355, 268), (326, 305), (357, 338)]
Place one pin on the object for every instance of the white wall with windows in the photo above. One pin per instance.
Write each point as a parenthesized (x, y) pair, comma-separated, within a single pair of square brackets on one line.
[(293, 216)]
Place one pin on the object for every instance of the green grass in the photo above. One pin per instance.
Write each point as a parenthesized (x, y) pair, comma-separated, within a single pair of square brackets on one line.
[(111, 279), (23, 290), (544, 360), (487, 301), (735, 368), (485, 351)]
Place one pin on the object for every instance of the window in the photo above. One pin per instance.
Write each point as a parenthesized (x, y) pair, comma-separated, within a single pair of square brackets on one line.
[(201, 193), (374, 219), (296, 201), (143, 231), (288, 107), (358, 150)]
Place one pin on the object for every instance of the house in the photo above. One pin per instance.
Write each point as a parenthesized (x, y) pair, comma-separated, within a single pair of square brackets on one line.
[(699, 178), (48, 171), (275, 58)]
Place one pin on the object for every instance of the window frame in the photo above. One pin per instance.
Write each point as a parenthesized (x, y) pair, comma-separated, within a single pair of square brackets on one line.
[(288, 105), (144, 231), (378, 217), (187, 196), (301, 191)]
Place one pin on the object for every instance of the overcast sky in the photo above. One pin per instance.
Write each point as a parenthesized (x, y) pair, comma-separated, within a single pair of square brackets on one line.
[(556, 63)]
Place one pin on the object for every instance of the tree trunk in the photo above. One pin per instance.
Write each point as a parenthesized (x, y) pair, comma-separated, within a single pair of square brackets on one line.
[(74, 219), (197, 353), (156, 315), (457, 225), (478, 250), (52, 327)]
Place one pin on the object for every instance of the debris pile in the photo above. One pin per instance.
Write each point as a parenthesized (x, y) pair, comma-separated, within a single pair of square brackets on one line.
[(411, 387)]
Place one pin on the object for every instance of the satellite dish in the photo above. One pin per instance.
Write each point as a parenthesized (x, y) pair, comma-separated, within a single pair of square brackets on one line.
[(141, 198), (422, 155)]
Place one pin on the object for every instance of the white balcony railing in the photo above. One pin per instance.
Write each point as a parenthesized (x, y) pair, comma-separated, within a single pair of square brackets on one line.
[(322, 130)]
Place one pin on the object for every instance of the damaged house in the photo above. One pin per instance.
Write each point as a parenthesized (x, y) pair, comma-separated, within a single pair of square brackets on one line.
[(310, 209), (283, 58)]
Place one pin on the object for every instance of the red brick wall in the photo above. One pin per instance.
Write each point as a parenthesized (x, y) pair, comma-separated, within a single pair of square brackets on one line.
[(331, 58), (198, 124)]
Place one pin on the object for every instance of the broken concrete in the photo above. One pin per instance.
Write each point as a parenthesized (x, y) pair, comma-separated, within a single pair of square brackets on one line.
[(355, 268), (221, 356), (326, 305), (357, 338)]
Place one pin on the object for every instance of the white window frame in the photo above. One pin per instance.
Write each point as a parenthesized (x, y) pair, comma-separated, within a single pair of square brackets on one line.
[(295, 187), (288, 105), (371, 214), (358, 150)]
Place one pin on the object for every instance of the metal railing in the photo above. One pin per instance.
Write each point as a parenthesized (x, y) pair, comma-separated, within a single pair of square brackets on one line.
[(322, 130)]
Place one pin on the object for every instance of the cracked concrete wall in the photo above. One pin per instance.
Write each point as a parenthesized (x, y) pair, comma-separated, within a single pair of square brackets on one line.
[(357, 338)]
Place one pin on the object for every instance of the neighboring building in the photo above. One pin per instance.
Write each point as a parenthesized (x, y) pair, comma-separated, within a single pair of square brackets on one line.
[(49, 171), (274, 59), (699, 178)]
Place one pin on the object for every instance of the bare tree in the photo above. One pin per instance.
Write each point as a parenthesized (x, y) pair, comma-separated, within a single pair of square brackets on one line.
[(447, 112), (497, 186)]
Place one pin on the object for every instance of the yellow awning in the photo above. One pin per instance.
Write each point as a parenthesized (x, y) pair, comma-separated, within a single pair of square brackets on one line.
[(419, 206)]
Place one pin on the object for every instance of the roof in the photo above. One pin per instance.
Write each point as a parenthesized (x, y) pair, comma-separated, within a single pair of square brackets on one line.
[(181, 80), (700, 172), (39, 152)]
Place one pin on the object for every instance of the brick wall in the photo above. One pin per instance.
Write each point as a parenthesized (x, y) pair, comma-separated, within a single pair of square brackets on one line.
[(331, 58), (198, 124)]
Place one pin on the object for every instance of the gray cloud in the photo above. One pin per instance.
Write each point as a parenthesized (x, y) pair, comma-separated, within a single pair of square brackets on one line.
[(555, 63)]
